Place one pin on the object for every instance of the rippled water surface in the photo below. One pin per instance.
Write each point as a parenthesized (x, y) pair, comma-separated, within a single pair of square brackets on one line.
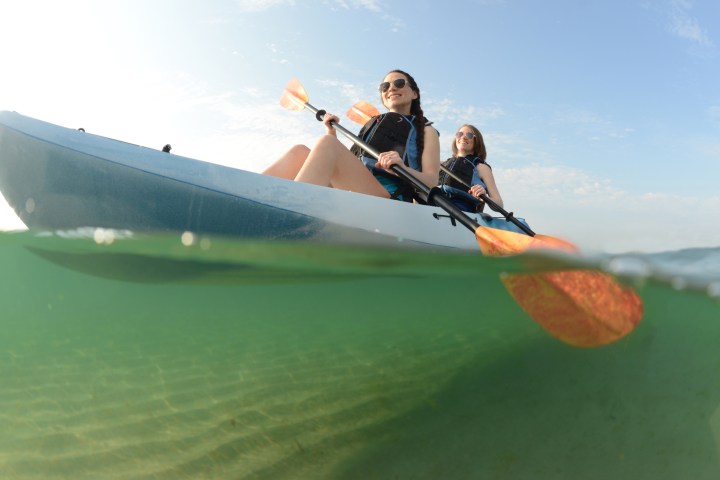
[(169, 357)]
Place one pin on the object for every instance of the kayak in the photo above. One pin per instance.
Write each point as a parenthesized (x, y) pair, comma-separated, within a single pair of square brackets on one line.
[(62, 179), (59, 178)]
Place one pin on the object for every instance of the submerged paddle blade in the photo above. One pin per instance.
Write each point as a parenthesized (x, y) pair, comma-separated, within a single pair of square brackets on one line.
[(501, 243), (361, 112), (294, 97), (583, 308)]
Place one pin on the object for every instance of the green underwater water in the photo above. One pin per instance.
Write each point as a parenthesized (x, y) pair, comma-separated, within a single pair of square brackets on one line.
[(148, 359)]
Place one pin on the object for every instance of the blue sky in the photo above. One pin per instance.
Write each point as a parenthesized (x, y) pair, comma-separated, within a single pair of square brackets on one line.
[(601, 117)]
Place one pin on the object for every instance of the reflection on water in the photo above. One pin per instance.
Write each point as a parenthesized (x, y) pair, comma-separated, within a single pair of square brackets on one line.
[(382, 365)]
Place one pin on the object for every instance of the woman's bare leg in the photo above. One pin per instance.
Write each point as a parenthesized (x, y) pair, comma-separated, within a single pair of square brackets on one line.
[(289, 164), (331, 164)]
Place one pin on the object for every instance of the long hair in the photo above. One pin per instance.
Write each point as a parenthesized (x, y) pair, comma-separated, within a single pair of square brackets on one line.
[(416, 110), (478, 146)]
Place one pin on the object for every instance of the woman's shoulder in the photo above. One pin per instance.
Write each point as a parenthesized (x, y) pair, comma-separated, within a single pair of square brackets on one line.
[(429, 127), (433, 131), (483, 167)]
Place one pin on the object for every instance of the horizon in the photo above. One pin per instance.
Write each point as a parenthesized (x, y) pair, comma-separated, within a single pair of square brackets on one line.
[(601, 120)]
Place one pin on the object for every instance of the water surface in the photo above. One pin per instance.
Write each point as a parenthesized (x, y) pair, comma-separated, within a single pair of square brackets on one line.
[(143, 357)]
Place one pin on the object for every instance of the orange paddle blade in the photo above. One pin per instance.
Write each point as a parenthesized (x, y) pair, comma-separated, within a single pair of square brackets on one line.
[(294, 97), (361, 112), (500, 243), (584, 308)]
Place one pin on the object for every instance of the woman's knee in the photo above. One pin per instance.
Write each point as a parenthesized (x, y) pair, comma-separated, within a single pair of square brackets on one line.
[(299, 151), (327, 142)]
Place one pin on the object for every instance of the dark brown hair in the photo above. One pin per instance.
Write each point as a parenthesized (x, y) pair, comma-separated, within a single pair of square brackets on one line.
[(416, 110), (478, 146)]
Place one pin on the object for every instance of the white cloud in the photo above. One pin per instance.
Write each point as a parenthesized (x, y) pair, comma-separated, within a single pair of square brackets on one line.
[(590, 211), (349, 92), (372, 5), (592, 125), (261, 5), (556, 180), (685, 26), (376, 7), (445, 109)]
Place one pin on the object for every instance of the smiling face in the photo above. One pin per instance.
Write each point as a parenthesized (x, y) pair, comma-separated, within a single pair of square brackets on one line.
[(465, 141), (397, 99), (469, 141)]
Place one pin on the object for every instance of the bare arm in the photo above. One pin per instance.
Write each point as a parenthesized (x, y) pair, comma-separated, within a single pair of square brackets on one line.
[(492, 191), (430, 158)]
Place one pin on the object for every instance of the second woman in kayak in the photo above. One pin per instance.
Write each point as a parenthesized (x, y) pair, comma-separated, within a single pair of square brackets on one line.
[(470, 176)]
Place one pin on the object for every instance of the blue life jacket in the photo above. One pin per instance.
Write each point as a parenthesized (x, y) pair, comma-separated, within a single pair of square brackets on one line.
[(464, 168), (391, 131), (387, 132)]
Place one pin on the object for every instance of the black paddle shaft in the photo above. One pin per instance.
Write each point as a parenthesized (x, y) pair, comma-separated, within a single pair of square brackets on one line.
[(494, 206), (433, 196)]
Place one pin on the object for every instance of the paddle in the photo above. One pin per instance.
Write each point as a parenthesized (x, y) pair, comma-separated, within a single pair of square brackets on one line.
[(580, 307), (363, 111), (492, 242)]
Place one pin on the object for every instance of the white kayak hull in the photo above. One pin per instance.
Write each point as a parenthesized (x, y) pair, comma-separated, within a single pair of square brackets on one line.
[(59, 178)]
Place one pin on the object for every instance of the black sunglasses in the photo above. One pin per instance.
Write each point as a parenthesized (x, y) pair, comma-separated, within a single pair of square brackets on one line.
[(468, 135), (399, 83)]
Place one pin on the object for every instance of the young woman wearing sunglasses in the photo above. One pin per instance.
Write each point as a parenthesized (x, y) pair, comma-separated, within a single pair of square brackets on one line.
[(403, 135), (468, 164)]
